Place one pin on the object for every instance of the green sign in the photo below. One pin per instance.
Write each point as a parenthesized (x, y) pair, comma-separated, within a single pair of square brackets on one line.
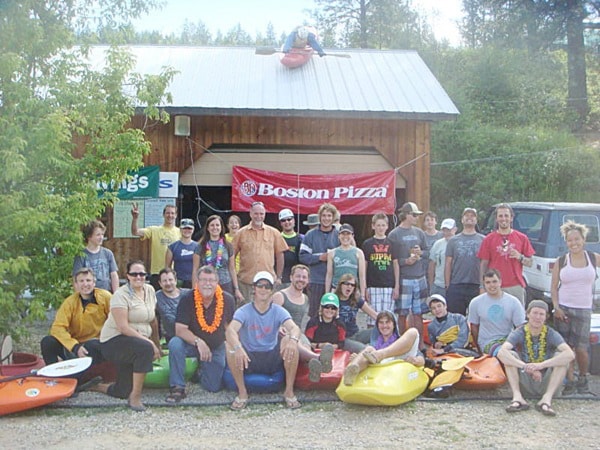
[(143, 183)]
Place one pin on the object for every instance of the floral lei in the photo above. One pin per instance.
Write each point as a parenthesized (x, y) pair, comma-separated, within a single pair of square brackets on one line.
[(542, 345), (210, 257), (218, 311)]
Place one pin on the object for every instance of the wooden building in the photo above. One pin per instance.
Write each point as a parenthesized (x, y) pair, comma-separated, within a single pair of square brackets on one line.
[(368, 112)]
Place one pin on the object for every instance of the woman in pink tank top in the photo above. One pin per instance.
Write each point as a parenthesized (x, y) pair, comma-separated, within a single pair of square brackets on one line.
[(572, 297)]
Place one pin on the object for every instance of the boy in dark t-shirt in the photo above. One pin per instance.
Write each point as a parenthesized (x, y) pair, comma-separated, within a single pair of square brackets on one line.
[(383, 272)]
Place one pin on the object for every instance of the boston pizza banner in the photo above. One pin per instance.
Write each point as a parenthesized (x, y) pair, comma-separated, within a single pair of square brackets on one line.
[(355, 193)]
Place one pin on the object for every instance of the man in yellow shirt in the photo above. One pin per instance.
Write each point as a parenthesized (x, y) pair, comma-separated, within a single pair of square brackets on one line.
[(76, 327), (160, 238)]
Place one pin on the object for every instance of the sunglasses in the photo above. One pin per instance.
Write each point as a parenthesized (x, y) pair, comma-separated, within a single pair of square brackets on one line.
[(257, 204), (264, 285), (137, 274), (347, 283), (329, 307), (289, 219)]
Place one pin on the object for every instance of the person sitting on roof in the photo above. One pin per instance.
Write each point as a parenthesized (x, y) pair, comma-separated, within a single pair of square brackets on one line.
[(301, 37)]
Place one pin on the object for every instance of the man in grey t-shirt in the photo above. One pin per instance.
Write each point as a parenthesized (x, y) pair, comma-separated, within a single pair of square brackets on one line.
[(536, 359), (462, 277), (493, 315), (410, 245)]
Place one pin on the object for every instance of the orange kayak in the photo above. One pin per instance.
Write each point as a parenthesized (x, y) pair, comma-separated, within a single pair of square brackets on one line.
[(31, 392), (484, 372)]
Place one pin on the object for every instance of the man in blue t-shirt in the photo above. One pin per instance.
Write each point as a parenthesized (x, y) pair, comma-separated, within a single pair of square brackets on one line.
[(253, 344)]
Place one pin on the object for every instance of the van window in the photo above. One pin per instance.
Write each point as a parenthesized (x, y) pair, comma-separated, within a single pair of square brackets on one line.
[(529, 223), (589, 221)]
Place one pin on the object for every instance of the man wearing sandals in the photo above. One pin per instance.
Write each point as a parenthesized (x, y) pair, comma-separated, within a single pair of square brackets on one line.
[(203, 314), (536, 359), (253, 344)]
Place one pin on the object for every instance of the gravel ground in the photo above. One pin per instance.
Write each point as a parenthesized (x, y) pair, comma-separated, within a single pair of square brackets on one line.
[(472, 424), (470, 419)]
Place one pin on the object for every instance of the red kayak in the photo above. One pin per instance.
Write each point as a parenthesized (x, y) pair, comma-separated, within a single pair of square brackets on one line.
[(297, 57), (27, 393)]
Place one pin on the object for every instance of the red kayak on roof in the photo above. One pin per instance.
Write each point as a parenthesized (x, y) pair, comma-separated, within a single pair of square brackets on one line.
[(297, 57)]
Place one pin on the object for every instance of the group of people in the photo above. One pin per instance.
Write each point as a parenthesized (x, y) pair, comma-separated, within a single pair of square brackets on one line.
[(262, 300)]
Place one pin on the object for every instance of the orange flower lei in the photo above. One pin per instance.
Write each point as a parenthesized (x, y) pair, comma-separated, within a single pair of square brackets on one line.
[(218, 311)]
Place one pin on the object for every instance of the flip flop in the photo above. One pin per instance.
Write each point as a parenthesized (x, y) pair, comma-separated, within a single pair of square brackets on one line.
[(238, 404), (292, 402), (545, 409), (517, 406), (325, 357)]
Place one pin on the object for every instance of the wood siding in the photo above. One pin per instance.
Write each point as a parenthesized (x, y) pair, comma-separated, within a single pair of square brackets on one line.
[(398, 141)]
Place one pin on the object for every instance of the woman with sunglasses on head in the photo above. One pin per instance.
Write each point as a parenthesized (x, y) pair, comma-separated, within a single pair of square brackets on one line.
[(350, 303), (129, 337), (347, 258), (214, 250)]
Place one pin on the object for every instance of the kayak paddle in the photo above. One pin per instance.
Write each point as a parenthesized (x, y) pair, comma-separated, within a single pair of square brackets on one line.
[(271, 51), (58, 369)]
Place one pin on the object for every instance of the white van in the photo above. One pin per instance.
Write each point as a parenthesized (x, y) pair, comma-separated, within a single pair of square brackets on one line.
[(541, 222)]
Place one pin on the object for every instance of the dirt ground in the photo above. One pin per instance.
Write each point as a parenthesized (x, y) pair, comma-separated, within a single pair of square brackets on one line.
[(421, 424)]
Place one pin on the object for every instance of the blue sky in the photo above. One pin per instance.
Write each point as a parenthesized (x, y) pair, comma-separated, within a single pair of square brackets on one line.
[(284, 14)]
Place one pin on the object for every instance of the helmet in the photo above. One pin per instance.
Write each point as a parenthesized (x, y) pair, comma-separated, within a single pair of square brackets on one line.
[(302, 32)]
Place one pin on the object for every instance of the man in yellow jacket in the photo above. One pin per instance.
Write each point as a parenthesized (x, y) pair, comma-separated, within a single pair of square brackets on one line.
[(76, 327)]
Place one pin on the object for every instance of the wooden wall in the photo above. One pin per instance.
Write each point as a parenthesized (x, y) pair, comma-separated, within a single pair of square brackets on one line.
[(398, 141)]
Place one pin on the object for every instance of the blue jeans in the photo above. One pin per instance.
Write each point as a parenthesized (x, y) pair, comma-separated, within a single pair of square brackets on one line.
[(211, 372)]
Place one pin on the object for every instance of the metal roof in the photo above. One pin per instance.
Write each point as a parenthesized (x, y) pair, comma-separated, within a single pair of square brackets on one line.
[(235, 81)]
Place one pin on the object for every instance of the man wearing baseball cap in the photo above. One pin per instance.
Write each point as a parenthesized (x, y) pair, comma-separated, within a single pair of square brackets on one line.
[(437, 258), (293, 240), (535, 359), (253, 344), (448, 332), (410, 245)]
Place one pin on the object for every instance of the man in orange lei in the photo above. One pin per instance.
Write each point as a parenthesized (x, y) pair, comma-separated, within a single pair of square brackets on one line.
[(202, 317)]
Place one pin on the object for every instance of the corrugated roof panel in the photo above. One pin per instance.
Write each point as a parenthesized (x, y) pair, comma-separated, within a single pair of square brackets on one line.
[(369, 84)]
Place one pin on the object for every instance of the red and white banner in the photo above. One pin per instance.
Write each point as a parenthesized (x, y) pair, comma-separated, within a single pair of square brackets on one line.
[(354, 193)]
